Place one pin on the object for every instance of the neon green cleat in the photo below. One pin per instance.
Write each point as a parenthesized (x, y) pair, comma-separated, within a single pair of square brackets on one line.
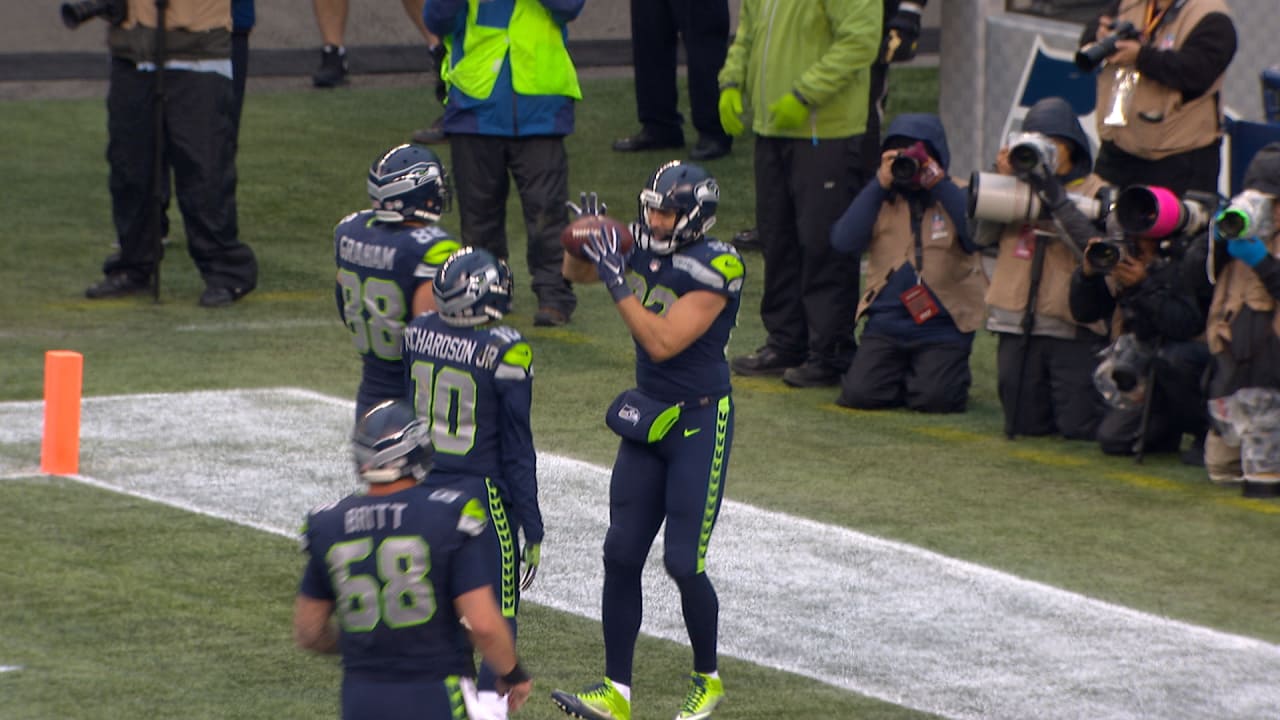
[(601, 701), (705, 693)]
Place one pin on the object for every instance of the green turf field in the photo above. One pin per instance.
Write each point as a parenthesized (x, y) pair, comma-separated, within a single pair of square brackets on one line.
[(119, 608)]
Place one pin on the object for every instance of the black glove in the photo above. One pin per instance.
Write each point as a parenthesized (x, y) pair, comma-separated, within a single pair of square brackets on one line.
[(437, 63), (1057, 202), (1048, 187), (902, 34)]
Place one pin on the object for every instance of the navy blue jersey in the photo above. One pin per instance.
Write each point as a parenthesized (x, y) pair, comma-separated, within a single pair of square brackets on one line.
[(393, 564), (380, 266), (475, 385), (658, 280)]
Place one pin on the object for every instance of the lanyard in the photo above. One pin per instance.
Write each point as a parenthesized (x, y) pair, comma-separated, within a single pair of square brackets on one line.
[(1153, 20)]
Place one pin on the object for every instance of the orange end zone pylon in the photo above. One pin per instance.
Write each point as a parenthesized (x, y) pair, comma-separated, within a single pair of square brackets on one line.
[(63, 375)]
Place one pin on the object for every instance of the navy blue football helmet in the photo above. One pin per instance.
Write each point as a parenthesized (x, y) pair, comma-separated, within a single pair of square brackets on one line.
[(391, 442), (408, 182), (472, 288), (691, 192)]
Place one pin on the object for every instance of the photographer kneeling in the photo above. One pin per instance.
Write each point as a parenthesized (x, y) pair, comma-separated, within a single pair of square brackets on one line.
[(923, 302), (1044, 355), (1158, 357)]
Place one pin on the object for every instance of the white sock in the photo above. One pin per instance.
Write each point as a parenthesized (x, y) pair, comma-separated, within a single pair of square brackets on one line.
[(624, 690)]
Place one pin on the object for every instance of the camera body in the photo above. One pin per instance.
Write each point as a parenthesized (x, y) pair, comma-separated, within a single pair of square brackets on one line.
[(1104, 256), (1006, 199), (1089, 57), (1030, 150), (1250, 214), (1121, 376), (75, 13), (911, 168)]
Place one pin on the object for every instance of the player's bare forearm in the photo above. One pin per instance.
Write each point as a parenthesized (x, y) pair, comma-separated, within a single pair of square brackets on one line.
[(489, 630), (577, 270), (665, 336), (312, 628)]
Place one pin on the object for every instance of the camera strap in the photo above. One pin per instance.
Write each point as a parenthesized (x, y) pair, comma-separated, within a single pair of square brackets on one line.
[(916, 207)]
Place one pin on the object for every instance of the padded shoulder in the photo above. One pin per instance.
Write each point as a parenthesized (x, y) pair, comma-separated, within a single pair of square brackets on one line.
[(712, 264)]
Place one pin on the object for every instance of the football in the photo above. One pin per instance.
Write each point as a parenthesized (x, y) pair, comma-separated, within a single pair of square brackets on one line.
[(577, 233)]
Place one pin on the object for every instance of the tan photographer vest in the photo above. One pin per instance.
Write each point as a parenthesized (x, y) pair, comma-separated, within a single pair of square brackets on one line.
[(954, 276), (1011, 279), (1237, 287), (1172, 126)]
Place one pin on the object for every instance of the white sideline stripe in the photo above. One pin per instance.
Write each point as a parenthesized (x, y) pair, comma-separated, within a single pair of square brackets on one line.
[(255, 325), (10, 668), (877, 617)]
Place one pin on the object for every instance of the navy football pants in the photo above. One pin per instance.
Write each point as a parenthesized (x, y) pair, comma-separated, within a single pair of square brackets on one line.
[(680, 479)]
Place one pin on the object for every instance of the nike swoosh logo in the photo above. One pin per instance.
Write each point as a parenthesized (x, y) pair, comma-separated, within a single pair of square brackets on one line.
[(689, 432)]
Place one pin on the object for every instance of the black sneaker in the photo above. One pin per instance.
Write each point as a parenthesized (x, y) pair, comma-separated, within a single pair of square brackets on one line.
[(811, 374), (217, 296), (764, 361), (117, 284), (333, 67), (747, 240)]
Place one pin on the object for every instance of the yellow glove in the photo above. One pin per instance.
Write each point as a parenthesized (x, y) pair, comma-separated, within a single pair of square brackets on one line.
[(788, 112), (731, 110)]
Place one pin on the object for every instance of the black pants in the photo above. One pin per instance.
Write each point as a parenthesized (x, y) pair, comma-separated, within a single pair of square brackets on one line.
[(810, 290), (1192, 170), (540, 168), (656, 28), (1057, 393), (199, 145), (890, 373), (239, 73), (871, 141)]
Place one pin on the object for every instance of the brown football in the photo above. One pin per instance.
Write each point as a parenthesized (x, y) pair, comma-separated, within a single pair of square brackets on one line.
[(577, 233)]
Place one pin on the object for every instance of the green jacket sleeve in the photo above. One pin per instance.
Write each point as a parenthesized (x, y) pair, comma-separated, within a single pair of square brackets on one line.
[(857, 25), (734, 71)]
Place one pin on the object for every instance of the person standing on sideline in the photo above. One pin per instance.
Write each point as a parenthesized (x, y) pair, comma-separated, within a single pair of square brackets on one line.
[(402, 565), (198, 102), (658, 29), (472, 379), (387, 258), (512, 90), (1160, 95), (805, 71), (331, 18), (678, 292), (899, 41)]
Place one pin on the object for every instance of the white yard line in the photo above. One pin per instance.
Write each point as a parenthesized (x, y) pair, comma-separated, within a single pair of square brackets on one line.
[(880, 618)]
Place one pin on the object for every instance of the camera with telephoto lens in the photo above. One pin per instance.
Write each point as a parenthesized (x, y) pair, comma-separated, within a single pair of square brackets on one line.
[(1089, 57), (1006, 199), (1029, 150), (1250, 214), (1121, 376), (1156, 213), (911, 167), (75, 13)]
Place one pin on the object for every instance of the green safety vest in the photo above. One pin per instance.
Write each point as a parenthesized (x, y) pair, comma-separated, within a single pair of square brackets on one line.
[(540, 64)]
